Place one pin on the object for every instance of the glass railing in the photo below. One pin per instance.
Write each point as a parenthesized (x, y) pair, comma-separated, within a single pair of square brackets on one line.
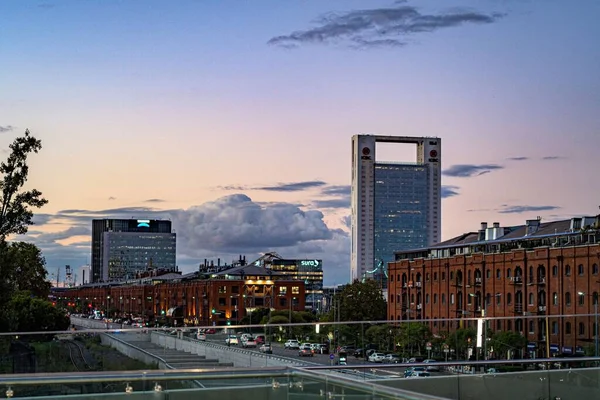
[(355, 359), (231, 384)]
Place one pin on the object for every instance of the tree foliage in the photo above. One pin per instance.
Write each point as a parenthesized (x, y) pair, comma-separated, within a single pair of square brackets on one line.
[(24, 269), (25, 313), (505, 341), (361, 301), (16, 204)]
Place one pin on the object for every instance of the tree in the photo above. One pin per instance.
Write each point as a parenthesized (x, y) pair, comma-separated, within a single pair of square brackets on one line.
[(25, 313), (360, 301), (412, 337), (24, 269), (505, 341), (460, 340), (15, 204)]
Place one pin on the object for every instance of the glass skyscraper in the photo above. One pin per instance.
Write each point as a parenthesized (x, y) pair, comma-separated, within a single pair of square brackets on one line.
[(395, 205)]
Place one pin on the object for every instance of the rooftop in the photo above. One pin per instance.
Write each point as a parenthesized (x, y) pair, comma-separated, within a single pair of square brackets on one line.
[(533, 229)]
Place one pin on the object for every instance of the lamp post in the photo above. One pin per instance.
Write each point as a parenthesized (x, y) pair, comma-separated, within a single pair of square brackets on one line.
[(290, 318), (595, 301), (483, 312)]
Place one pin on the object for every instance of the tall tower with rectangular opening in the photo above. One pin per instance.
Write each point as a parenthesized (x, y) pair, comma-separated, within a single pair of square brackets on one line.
[(395, 205)]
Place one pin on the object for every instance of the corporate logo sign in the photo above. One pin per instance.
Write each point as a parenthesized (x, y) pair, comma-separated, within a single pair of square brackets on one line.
[(310, 263)]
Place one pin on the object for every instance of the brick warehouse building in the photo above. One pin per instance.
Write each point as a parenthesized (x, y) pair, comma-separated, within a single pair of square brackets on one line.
[(218, 299), (538, 270)]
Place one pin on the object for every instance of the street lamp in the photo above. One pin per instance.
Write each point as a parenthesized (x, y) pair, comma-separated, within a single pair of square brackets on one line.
[(595, 301), (485, 328), (290, 318)]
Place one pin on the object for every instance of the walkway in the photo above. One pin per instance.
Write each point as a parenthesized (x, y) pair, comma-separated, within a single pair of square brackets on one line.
[(176, 359)]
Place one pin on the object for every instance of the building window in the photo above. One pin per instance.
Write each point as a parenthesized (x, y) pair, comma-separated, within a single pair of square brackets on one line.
[(531, 299), (499, 325), (554, 328), (235, 289), (451, 298), (451, 275), (498, 299), (282, 302), (531, 327), (488, 299), (488, 274), (595, 269), (555, 270), (222, 289), (427, 298), (282, 290), (567, 328), (567, 270), (555, 298), (508, 299), (443, 298), (595, 298), (508, 273), (435, 276), (568, 299), (581, 328), (498, 274), (295, 289), (427, 277), (435, 298), (443, 276), (580, 269), (222, 301), (509, 325), (581, 299), (391, 277)]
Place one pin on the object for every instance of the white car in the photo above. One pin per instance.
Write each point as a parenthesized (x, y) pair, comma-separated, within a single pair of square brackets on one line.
[(291, 344), (231, 339), (376, 357), (249, 342)]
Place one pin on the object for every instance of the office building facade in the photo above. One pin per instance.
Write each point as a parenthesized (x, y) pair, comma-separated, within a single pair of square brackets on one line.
[(122, 247), (395, 205), (540, 280)]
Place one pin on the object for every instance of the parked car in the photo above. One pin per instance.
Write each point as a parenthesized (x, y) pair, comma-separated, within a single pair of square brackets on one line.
[(266, 348), (376, 357), (306, 351), (391, 359), (291, 344), (260, 339), (249, 342), (201, 336)]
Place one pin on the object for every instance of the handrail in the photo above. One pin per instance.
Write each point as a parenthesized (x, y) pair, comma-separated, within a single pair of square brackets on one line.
[(141, 350)]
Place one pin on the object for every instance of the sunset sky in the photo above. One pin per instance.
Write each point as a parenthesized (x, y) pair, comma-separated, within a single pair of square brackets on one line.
[(234, 118)]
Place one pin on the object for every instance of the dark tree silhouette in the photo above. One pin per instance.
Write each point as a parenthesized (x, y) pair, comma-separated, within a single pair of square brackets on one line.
[(15, 212)]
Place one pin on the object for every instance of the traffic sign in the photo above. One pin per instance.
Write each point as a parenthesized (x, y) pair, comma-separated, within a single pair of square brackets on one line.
[(428, 346), (331, 356), (446, 348)]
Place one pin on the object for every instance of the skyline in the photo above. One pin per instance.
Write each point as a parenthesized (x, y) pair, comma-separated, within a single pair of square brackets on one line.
[(237, 118)]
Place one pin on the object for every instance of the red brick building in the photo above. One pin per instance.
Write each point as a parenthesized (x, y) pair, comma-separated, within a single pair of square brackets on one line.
[(223, 297), (521, 278)]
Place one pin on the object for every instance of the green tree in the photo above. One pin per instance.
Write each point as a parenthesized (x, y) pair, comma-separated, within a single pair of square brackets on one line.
[(360, 301), (505, 341), (25, 313), (15, 210), (460, 340), (24, 268), (412, 337)]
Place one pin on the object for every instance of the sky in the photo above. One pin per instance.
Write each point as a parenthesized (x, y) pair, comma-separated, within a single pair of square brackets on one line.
[(234, 119)]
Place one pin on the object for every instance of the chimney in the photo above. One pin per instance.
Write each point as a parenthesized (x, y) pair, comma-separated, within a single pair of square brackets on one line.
[(532, 226), (218, 262), (496, 225), (481, 233)]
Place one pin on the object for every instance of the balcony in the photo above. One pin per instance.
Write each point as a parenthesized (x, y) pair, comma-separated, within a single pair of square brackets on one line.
[(478, 281), (542, 309), (419, 306), (519, 309), (516, 280), (457, 283), (418, 284)]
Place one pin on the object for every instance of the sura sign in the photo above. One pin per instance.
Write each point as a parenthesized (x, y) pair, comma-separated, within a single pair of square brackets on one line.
[(310, 263)]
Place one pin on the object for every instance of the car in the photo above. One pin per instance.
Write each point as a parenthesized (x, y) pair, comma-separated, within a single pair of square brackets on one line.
[(376, 357), (432, 367), (231, 339), (414, 370), (419, 374), (322, 348), (201, 336), (391, 359), (260, 339), (306, 351), (266, 348), (291, 344), (249, 342)]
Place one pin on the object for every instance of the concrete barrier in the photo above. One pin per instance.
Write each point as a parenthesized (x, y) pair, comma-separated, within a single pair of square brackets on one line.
[(237, 356), (528, 385)]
